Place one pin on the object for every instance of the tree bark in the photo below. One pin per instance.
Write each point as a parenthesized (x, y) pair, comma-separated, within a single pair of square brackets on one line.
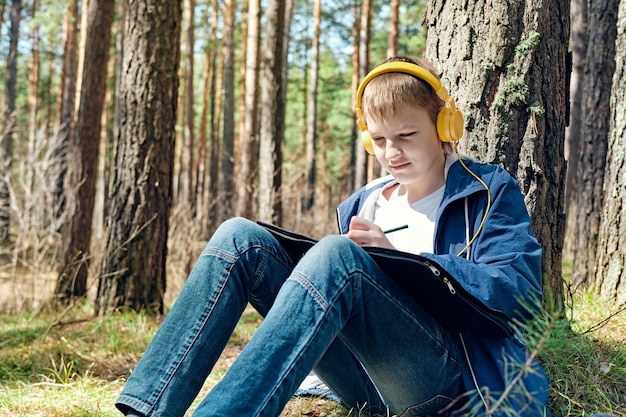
[(133, 271), (186, 195), (505, 62), (311, 136), (66, 102), (361, 160), (33, 105), (356, 146), (272, 109), (610, 277), (85, 142), (392, 39), (227, 171), (216, 142), (250, 145), (599, 70), (208, 100), (578, 46)]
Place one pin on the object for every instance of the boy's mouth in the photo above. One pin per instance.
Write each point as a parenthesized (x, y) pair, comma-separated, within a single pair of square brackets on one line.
[(398, 166)]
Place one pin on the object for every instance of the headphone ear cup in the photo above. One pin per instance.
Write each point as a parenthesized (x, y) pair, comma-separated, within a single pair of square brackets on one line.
[(366, 140), (450, 124)]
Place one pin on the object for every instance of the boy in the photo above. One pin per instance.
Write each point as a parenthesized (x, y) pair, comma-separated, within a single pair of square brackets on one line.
[(336, 312)]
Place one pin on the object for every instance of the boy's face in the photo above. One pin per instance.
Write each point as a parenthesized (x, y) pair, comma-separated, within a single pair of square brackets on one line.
[(407, 146)]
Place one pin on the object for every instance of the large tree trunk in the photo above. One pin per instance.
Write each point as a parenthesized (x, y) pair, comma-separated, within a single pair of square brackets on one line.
[(272, 109), (250, 143), (611, 261), (85, 142), (599, 69), (505, 61), (133, 272)]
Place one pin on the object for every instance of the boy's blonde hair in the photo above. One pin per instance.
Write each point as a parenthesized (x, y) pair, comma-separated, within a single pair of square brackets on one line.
[(389, 92)]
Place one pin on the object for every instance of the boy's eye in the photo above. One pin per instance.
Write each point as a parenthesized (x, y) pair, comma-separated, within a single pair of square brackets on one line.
[(377, 138), (407, 134)]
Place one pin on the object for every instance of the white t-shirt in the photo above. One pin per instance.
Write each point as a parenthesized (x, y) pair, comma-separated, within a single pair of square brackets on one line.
[(419, 216)]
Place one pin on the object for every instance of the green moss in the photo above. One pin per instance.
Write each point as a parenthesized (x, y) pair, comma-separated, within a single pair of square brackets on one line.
[(514, 92), (536, 109), (528, 44)]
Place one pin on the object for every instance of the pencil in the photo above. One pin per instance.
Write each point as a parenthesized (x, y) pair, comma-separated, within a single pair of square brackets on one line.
[(395, 229)]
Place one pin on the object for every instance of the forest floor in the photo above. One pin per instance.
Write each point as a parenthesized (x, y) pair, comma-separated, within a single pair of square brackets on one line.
[(70, 364)]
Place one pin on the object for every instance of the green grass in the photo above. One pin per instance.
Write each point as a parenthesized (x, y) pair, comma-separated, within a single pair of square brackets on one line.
[(75, 365)]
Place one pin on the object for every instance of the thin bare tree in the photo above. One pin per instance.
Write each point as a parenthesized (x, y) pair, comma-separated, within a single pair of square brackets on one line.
[(361, 160), (311, 127)]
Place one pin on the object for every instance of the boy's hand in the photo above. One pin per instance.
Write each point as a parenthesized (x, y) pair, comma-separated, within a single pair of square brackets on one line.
[(365, 233)]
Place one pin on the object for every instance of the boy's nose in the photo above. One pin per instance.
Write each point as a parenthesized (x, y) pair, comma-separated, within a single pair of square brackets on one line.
[(392, 151)]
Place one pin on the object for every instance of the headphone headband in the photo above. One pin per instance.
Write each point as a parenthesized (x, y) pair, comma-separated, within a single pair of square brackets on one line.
[(450, 122)]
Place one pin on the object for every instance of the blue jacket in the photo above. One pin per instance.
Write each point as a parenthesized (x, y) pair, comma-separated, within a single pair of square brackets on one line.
[(503, 269)]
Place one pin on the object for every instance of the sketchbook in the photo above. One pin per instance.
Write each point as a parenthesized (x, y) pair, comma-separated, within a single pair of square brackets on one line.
[(438, 292)]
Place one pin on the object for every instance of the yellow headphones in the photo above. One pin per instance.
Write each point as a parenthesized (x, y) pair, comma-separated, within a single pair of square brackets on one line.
[(450, 122)]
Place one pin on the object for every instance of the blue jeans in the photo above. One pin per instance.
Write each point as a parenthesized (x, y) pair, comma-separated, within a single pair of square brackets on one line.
[(334, 311)]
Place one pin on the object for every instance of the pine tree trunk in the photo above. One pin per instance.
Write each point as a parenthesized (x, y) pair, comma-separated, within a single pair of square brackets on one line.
[(33, 106), (599, 66), (85, 142), (356, 147), (216, 142), (392, 39), (186, 196), (505, 62), (271, 135), (133, 272), (208, 101), (578, 45), (361, 160), (311, 136), (227, 171), (66, 102), (250, 143), (610, 277)]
